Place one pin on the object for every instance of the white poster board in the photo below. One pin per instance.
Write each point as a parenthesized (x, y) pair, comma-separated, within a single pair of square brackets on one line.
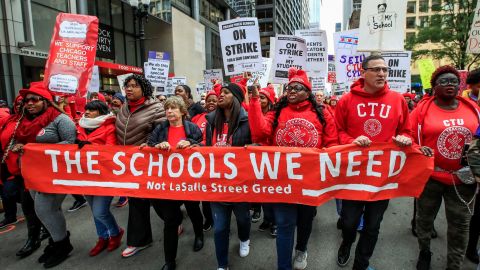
[(348, 61), (156, 71), (240, 39), (398, 78), (318, 83), (172, 83), (382, 25), (317, 50), (201, 88), (473, 44), (94, 85), (263, 75), (290, 51), (121, 81), (210, 76)]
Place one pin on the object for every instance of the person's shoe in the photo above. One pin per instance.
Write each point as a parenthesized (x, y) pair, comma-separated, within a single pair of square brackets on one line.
[(273, 231), (115, 241), (7, 222), (424, 259), (344, 254), (44, 234), (60, 252), (101, 245), (472, 255), (264, 226), (77, 205), (32, 244), (130, 251), (300, 260), (434, 233), (198, 243), (256, 216), (244, 248), (207, 226), (46, 252), (339, 223), (122, 201), (169, 266)]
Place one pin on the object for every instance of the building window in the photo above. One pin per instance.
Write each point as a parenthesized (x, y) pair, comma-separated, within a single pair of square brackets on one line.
[(103, 11), (60, 5), (211, 12), (265, 14), (43, 19), (117, 14), (411, 7), (423, 6), (436, 5), (357, 4), (410, 22), (264, 2), (266, 27), (265, 41), (423, 21)]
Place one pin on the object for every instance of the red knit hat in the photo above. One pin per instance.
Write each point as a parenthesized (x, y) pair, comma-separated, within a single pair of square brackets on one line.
[(300, 76), (269, 92), (210, 93), (37, 88), (333, 98)]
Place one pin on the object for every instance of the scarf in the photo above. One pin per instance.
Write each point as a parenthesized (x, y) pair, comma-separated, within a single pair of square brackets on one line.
[(29, 128), (93, 123), (133, 105)]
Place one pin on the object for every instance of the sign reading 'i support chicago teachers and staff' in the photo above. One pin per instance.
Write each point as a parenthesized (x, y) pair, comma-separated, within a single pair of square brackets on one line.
[(240, 40)]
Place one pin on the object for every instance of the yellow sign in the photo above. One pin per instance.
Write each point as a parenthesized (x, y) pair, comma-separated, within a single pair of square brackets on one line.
[(426, 68)]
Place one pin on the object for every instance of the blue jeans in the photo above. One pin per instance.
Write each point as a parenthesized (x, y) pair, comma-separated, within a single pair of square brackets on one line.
[(104, 220), (221, 219), (268, 215), (10, 194), (286, 220)]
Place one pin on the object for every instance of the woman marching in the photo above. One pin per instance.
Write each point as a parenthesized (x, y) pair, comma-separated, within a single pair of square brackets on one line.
[(299, 114), (44, 123), (97, 126)]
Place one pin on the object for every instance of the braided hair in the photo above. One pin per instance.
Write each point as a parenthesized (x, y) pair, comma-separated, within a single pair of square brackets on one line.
[(145, 85), (284, 103)]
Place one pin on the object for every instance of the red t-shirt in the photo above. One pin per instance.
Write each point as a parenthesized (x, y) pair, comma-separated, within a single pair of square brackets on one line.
[(446, 132), (220, 140), (175, 135)]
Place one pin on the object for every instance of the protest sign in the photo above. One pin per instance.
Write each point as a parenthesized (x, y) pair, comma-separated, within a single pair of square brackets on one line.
[(473, 44), (426, 69), (398, 78), (290, 51), (94, 85), (348, 62), (332, 77), (382, 25), (156, 71), (72, 54), (106, 41), (201, 88), (210, 76), (158, 55), (463, 80), (240, 39), (262, 75), (172, 83), (317, 50), (121, 81), (318, 83), (235, 174)]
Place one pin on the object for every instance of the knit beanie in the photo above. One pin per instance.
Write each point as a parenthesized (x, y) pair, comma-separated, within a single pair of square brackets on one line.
[(269, 92), (237, 91), (120, 97), (300, 76)]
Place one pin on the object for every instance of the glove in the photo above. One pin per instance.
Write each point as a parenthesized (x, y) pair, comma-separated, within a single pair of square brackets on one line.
[(81, 144)]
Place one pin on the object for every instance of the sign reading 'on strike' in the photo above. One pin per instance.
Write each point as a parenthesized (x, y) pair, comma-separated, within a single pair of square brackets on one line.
[(240, 40), (72, 54), (290, 51), (234, 174)]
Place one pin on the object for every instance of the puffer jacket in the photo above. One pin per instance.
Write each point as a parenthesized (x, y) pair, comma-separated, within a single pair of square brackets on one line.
[(134, 128)]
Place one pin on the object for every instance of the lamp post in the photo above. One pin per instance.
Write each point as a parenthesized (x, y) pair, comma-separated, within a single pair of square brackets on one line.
[(140, 9)]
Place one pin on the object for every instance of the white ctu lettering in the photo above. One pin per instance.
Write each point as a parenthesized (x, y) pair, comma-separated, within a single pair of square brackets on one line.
[(372, 109)]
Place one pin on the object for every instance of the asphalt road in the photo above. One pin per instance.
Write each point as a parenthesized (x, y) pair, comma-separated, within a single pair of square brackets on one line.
[(396, 248)]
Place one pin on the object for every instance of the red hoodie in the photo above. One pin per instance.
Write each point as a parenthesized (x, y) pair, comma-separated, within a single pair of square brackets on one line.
[(379, 116), (298, 126), (446, 132), (103, 135)]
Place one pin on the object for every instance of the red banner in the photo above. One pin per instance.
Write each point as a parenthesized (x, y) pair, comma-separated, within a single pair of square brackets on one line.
[(236, 174), (72, 54)]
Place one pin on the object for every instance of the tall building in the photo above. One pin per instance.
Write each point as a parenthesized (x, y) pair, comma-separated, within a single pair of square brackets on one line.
[(244, 8), (314, 13), (351, 10), (280, 17)]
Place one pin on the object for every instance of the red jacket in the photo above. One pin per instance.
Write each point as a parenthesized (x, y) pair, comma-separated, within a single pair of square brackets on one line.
[(445, 132), (7, 126), (379, 116), (103, 135), (298, 126)]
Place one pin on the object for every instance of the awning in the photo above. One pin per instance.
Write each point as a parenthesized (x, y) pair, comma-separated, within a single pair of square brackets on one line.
[(109, 68)]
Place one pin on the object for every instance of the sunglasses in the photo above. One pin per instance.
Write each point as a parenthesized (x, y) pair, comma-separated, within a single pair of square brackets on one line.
[(446, 82), (296, 88), (34, 99)]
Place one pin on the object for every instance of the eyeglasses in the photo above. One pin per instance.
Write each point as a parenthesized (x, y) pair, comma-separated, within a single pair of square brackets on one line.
[(296, 88), (131, 86), (162, 100), (378, 69), (34, 99), (445, 82)]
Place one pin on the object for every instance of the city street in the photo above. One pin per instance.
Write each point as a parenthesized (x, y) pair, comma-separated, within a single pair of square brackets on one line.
[(396, 249)]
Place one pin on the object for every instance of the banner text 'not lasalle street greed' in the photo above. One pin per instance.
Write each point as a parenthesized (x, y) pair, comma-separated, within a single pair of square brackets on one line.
[(235, 174)]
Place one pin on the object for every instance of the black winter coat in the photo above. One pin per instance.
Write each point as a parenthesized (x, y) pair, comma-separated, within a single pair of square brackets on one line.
[(160, 133), (241, 135)]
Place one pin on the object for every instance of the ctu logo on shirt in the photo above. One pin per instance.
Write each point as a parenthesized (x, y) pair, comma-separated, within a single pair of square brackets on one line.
[(453, 122), (373, 109)]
